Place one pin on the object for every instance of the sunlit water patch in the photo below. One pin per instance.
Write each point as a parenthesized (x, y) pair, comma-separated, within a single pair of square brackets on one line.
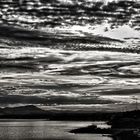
[(52, 130)]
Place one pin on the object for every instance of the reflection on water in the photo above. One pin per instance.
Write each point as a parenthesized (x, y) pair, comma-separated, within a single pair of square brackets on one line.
[(49, 130)]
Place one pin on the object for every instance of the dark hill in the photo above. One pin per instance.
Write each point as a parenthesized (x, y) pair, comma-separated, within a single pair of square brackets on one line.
[(29, 111)]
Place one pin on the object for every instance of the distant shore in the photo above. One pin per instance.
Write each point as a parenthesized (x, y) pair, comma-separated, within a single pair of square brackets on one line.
[(33, 112)]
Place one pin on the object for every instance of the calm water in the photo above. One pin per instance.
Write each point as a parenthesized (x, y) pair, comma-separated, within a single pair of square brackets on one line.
[(46, 130)]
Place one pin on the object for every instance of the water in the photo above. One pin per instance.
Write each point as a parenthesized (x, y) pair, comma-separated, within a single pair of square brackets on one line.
[(46, 130)]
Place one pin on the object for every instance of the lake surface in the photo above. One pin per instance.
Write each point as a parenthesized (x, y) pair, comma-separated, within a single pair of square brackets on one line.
[(46, 130)]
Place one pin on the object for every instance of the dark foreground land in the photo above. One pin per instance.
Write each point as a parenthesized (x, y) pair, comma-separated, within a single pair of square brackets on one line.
[(124, 126)]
